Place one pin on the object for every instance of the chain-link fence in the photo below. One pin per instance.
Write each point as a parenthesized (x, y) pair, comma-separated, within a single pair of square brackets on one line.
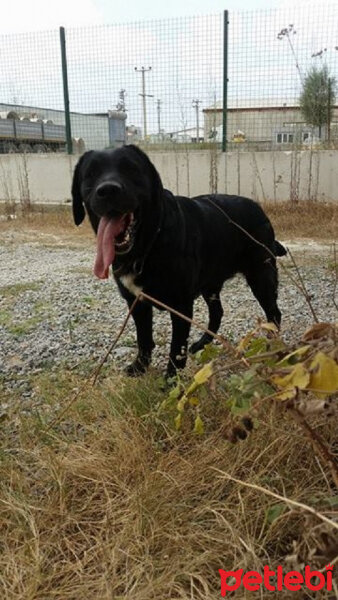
[(280, 61), (260, 80)]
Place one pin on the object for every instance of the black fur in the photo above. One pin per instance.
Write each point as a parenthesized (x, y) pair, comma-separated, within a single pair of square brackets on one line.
[(182, 247)]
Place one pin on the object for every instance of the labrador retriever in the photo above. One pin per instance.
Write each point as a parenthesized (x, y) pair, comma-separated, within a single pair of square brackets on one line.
[(172, 248)]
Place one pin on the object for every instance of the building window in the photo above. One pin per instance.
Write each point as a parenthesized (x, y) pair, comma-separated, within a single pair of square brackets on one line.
[(284, 138), (306, 135)]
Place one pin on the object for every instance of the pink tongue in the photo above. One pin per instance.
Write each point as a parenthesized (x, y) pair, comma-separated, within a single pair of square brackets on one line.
[(106, 234)]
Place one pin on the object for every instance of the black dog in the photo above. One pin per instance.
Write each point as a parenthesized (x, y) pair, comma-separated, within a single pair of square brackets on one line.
[(173, 248)]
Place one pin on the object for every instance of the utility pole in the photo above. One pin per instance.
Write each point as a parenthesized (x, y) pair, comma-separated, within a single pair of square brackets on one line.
[(143, 71), (329, 110), (196, 104), (121, 105), (159, 102)]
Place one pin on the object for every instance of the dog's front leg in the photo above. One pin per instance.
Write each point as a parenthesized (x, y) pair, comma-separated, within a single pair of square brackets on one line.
[(143, 318), (179, 340)]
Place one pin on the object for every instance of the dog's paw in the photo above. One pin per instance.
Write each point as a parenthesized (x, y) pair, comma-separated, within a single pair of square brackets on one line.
[(170, 373), (195, 347), (135, 369), (199, 345), (169, 381)]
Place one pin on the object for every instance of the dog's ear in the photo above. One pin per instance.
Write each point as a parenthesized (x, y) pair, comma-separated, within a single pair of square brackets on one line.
[(78, 209), (156, 181)]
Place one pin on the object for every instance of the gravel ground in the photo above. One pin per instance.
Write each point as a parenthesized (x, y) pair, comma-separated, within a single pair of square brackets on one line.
[(54, 312)]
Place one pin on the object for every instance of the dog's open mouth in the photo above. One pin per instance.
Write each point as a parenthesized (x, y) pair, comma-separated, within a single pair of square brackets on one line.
[(114, 236)]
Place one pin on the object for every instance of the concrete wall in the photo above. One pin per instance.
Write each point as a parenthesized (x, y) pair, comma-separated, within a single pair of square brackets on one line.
[(261, 175)]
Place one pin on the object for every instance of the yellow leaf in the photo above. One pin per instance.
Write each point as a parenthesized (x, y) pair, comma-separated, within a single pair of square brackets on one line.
[(200, 377), (178, 421), (288, 394), (298, 377), (203, 374), (269, 327), (244, 343), (181, 403), (193, 401), (199, 426), (323, 375), (296, 354)]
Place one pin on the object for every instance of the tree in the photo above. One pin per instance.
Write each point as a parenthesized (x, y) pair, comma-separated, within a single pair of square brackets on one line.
[(317, 97)]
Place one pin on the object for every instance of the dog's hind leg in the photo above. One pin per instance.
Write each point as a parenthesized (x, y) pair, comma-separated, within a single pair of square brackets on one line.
[(263, 281), (143, 318), (215, 317)]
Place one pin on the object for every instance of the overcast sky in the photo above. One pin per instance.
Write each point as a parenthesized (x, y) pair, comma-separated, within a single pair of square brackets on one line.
[(23, 15)]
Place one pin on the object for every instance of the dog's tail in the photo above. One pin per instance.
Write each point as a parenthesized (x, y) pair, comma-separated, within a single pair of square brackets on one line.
[(280, 250)]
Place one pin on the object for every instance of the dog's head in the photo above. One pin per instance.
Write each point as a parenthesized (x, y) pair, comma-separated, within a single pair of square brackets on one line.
[(118, 188)]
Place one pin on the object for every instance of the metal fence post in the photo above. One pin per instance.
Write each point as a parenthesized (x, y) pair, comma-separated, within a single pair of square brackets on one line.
[(225, 78), (65, 90)]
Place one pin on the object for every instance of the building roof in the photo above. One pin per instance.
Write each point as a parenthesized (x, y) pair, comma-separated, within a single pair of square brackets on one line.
[(192, 131), (254, 103), (24, 108)]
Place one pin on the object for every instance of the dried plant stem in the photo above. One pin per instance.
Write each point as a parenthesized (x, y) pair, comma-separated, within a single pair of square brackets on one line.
[(263, 490), (216, 336), (335, 283), (319, 446), (303, 287), (112, 346)]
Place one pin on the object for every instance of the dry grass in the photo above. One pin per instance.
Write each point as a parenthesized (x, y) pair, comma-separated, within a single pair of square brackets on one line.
[(315, 220), (111, 503), (46, 222)]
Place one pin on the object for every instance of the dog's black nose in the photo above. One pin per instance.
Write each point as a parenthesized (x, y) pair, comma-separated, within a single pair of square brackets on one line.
[(106, 190)]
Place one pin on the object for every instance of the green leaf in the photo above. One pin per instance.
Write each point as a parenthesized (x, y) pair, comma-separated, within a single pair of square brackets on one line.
[(274, 511), (332, 501), (240, 405), (257, 346), (209, 352), (175, 392)]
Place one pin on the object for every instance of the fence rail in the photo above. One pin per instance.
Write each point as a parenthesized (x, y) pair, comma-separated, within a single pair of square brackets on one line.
[(263, 80)]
